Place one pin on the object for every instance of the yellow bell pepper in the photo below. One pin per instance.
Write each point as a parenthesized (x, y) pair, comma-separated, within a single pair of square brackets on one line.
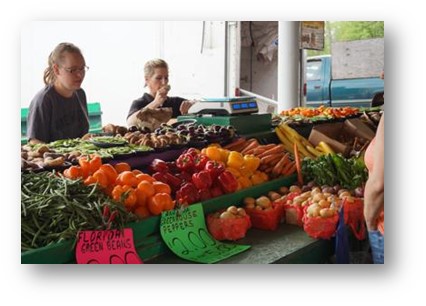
[(259, 177), (224, 153), (235, 160), (244, 182), (251, 162), (234, 171), (213, 153)]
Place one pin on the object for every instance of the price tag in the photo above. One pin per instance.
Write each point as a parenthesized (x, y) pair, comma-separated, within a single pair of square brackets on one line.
[(106, 247), (185, 233)]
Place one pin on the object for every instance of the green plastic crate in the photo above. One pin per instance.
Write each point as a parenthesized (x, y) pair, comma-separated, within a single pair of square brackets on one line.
[(95, 120), (147, 239)]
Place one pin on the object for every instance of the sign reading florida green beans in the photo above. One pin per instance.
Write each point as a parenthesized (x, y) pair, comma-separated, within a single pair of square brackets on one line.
[(185, 233)]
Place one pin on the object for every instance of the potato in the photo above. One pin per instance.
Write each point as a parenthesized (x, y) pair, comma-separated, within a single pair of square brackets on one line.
[(232, 209), (324, 204), (342, 190), (344, 194), (312, 207), (295, 188), (298, 200), (318, 197), (54, 162), (263, 202), (349, 199), (109, 128), (283, 190), (43, 149), (273, 195), (249, 201), (121, 130), (241, 212), (326, 213), (306, 194), (226, 215), (313, 210)]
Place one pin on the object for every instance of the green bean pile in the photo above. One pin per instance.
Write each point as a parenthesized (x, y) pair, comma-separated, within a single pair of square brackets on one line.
[(86, 147), (54, 209)]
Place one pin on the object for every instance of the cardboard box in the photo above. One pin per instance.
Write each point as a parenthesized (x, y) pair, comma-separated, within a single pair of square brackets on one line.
[(359, 128), (332, 133)]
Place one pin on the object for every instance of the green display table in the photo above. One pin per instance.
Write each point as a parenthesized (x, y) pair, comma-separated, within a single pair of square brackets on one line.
[(289, 244)]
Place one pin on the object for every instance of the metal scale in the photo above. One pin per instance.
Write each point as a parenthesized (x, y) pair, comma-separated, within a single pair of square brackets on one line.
[(240, 112)]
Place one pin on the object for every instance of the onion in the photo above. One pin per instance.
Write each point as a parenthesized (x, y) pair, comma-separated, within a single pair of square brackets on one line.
[(359, 192), (311, 184)]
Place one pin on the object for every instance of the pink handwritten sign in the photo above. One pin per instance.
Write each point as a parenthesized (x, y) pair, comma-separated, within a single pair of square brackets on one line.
[(106, 247)]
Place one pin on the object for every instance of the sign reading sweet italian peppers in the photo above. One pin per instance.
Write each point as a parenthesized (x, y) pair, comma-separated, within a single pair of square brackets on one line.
[(185, 233)]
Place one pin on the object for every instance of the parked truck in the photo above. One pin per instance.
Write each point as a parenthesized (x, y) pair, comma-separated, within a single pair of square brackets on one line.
[(348, 77), (321, 88)]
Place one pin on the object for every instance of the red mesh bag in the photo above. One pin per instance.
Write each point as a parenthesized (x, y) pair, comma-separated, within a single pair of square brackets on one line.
[(228, 229), (293, 214), (354, 216), (266, 219), (320, 228)]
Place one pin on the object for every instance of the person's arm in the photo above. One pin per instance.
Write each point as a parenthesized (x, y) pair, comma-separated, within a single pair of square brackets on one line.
[(185, 106), (375, 186), (160, 97)]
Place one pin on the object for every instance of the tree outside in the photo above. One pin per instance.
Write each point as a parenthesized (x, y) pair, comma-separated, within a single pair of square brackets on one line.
[(336, 31)]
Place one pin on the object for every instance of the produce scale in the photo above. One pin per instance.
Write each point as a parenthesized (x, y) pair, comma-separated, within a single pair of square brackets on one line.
[(240, 112)]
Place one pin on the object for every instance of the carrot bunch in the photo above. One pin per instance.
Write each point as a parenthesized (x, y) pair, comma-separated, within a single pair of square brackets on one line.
[(274, 159)]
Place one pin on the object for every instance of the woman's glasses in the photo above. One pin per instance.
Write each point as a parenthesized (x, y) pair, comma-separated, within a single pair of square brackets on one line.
[(76, 70)]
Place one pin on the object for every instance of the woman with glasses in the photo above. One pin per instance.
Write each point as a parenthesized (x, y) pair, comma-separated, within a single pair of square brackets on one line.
[(156, 73), (59, 110)]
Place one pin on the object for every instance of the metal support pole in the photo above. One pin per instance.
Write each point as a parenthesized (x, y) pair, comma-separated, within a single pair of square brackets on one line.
[(288, 65)]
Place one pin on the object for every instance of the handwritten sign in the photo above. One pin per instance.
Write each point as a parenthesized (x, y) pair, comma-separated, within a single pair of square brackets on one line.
[(311, 35), (185, 233), (106, 247)]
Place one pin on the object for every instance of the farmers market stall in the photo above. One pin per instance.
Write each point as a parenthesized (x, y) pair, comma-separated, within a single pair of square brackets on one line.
[(244, 189)]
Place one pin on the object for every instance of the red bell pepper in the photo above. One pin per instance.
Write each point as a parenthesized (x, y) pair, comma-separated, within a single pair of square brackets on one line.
[(200, 161), (215, 190), (168, 179), (159, 176), (187, 193), (185, 177), (173, 180), (193, 151), (228, 182), (158, 165), (185, 162), (204, 194), (214, 168), (202, 179)]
